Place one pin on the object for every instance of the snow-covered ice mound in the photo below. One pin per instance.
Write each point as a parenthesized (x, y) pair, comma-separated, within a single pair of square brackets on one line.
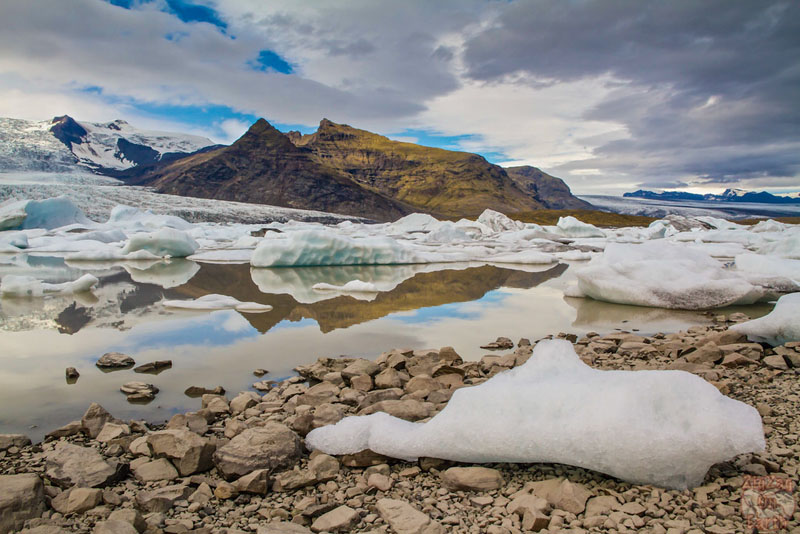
[(318, 247), (28, 286), (572, 227), (665, 276), (218, 302), (497, 222), (166, 242), (779, 326), (648, 427), (768, 266)]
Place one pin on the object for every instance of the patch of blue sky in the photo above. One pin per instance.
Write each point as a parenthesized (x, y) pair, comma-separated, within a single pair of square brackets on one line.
[(456, 310), (270, 61), (207, 332), (448, 142), (183, 10)]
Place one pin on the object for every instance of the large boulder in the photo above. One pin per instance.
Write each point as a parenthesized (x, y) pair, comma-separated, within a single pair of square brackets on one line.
[(160, 500), (115, 360), (189, 452), (270, 446), (95, 419), (21, 498), (72, 465)]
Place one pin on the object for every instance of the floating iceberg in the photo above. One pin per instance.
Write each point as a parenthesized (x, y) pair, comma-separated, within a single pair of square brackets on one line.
[(136, 219), (779, 326), (322, 247), (166, 242), (498, 222), (218, 302), (28, 286), (49, 213), (665, 276), (572, 227), (415, 222), (649, 427)]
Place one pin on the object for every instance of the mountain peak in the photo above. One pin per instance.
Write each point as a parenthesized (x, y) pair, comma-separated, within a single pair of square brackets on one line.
[(68, 131)]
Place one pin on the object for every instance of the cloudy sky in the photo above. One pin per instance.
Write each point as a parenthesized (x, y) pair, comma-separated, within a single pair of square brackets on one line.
[(610, 95)]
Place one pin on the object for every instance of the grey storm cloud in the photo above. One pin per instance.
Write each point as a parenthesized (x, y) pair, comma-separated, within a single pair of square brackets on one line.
[(709, 89)]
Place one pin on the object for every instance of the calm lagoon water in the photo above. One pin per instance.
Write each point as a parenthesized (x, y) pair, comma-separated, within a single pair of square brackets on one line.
[(431, 306)]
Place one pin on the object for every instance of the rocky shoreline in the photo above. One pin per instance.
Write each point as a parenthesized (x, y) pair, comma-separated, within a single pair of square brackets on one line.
[(240, 465)]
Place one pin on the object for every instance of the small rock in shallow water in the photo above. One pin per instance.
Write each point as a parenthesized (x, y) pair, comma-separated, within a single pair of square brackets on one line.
[(199, 391), (499, 343), (139, 391), (153, 367), (72, 375), (115, 360)]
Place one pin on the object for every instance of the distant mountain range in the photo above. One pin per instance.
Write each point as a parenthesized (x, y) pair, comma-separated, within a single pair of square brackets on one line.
[(338, 168), (729, 195)]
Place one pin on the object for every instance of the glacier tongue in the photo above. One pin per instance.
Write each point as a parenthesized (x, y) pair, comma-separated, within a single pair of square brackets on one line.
[(649, 427)]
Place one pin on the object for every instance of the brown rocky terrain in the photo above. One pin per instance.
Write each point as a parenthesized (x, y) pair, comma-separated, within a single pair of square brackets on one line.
[(345, 170), (239, 465)]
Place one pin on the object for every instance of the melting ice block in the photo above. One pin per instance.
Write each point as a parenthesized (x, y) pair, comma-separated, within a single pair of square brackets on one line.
[(28, 286), (779, 326), (662, 275), (322, 247), (166, 242), (572, 227), (218, 302), (498, 222), (650, 427)]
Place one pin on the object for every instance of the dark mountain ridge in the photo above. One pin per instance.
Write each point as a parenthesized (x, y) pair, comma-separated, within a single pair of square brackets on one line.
[(729, 195)]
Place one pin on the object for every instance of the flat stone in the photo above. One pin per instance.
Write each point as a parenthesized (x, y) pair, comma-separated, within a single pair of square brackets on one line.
[(13, 440), (155, 470), (114, 527), (21, 498), (189, 452), (388, 378), (153, 367), (271, 446), (194, 422), (282, 527), (407, 409), (379, 482), (405, 519), (77, 500), (360, 366), (139, 390), (472, 479), (199, 391), (70, 429), (775, 362), (115, 360), (337, 520), (243, 401), (113, 431), (601, 505), (562, 494), (499, 343), (161, 499), (256, 482), (734, 359), (73, 465), (363, 458)]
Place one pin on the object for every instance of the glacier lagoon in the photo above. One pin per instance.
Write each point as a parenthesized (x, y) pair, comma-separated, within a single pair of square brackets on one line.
[(463, 305)]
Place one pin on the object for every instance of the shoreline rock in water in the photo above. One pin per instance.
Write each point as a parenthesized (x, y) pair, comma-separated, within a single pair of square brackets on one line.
[(240, 465)]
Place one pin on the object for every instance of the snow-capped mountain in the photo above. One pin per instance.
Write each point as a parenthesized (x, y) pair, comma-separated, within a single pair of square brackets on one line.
[(64, 144)]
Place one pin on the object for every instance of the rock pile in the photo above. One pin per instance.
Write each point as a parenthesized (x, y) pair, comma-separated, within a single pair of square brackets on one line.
[(239, 465)]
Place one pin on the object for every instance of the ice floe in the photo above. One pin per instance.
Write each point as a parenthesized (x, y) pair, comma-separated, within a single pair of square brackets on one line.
[(665, 276), (650, 427), (780, 326), (572, 227), (323, 247), (217, 302), (28, 286)]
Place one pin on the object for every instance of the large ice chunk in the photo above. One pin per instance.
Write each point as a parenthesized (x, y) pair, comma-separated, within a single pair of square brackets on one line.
[(136, 219), (28, 286), (664, 276), (48, 213), (787, 247), (498, 222), (649, 427), (322, 247), (768, 266), (415, 222), (572, 227), (779, 326), (166, 242)]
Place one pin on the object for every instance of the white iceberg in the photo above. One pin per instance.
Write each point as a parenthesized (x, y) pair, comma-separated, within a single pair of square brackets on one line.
[(322, 247), (166, 242), (217, 302), (28, 286), (136, 219), (662, 275), (648, 427), (788, 247), (415, 222), (498, 222), (572, 227), (781, 325), (529, 257), (48, 213)]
